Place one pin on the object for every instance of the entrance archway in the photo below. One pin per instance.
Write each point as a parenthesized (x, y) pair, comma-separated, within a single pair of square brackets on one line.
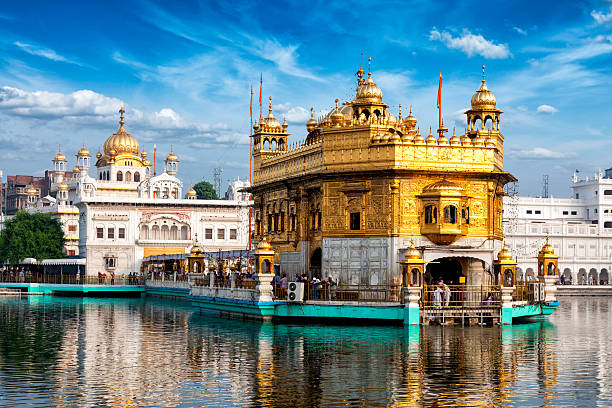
[(582, 276), (315, 263), (604, 277), (447, 269), (567, 273), (593, 277)]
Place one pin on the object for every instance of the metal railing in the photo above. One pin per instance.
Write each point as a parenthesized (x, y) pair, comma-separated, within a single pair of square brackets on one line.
[(522, 292), (72, 279), (461, 296), (226, 282), (344, 293)]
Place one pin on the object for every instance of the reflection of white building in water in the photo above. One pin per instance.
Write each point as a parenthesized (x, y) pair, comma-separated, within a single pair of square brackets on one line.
[(580, 229), (128, 212)]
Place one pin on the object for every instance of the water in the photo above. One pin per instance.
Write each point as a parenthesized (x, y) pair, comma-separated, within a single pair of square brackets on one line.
[(57, 352)]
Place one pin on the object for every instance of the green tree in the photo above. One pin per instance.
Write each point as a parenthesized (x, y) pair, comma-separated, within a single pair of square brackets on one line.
[(31, 236), (205, 191)]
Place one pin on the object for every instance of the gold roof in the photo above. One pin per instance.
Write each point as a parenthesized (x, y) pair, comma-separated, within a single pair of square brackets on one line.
[(443, 186), (547, 248), (171, 156), (62, 186), (504, 254), (76, 169), (367, 91), (270, 121), (191, 192), (31, 190), (121, 142), (195, 249), (483, 98), (59, 156), (312, 123), (83, 151), (412, 252)]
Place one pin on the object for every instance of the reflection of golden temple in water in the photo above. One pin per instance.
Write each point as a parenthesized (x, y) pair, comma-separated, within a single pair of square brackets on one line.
[(119, 352)]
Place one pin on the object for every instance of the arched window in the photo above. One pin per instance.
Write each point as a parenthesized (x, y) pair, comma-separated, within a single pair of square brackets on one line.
[(144, 232), (128, 176), (488, 125), (184, 233), (155, 232), (477, 123), (165, 233), (281, 145), (174, 233), (137, 177), (450, 214), (119, 176), (266, 144), (508, 278), (431, 214), (273, 145)]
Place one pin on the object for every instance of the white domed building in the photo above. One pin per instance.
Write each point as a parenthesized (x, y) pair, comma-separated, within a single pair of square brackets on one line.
[(127, 212)]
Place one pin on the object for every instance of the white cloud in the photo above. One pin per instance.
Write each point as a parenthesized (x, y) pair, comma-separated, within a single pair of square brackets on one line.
[(285, 57), (519, 30), (539, 153), (602, 17), (547, 109), (471, 44), (44, 52)]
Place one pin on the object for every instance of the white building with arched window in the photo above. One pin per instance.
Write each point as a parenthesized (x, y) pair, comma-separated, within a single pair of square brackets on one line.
[(580, 229), (127, 212)]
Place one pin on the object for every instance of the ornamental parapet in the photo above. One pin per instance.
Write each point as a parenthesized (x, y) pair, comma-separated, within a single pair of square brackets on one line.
[(299, 161)]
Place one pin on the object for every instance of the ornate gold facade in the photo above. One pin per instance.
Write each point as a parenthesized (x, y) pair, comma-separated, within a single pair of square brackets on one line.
[(362, 172)]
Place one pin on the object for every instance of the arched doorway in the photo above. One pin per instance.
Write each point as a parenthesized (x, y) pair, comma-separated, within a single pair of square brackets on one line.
[(604, 277), (519, 275), (567, 273), (593, 277), (447, 269), (582, 276), (529, 275), (315, 264)]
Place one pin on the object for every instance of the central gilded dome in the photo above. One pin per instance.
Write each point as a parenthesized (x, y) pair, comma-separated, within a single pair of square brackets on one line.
[(483, 98), (121, 142)]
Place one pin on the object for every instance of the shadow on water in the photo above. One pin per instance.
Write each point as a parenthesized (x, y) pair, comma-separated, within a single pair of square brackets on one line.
[(136, 352)]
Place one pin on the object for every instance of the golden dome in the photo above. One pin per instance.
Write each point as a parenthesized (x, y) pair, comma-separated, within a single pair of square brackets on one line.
[(443, 186), (337, 117), (195, 249), (419, 138), (76, 169), (144, 153), (454, 140), (504, 254), (410, 120), (264, 245), (172, 156), (547, 248), (412, 252), (312, 123), (83, 151), (98, 155), (431, 139), (30, 190), (62, 186), (59, 156), (121, 141), (191, 192), (483, 98), (270, 121), (368, 91)]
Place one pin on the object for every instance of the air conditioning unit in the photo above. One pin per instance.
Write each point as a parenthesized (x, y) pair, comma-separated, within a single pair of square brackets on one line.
[(295, 292)]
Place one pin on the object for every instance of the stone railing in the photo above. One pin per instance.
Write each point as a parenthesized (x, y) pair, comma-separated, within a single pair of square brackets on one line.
[(262, 291)]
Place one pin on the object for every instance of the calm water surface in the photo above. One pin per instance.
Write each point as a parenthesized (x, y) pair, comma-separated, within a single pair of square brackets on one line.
[(57, 352)]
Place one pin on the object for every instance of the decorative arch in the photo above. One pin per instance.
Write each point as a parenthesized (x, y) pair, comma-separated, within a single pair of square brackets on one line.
[(119, 176), (128, 176), (137, 177)]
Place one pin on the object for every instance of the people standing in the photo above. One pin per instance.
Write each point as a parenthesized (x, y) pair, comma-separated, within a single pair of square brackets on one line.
[(447, 294), (438, 295)]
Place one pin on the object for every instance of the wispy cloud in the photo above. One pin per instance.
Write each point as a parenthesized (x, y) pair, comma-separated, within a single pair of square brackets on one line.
[(547, 109), (602, 17), (540, 153), (519, 30), (44, 52), (471, 44)]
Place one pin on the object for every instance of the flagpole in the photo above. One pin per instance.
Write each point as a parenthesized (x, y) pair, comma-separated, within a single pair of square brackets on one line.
[(1, 198), (154, 160), (440, 105), (260, 99), (250, 162)]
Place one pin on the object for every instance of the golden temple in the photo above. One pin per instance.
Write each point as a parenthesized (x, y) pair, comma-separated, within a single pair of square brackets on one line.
[(348, 200)]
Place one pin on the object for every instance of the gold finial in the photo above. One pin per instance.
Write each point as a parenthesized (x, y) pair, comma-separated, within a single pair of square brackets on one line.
[(369, 66), (410, 109), (399, 116), (453, 131), (270, 107), (483, 73), (359, 73), (121, 111), (430, 131), (311, 113), (336, 103)]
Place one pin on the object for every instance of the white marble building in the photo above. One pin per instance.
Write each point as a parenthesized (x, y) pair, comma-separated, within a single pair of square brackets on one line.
[(128, 212), (580, 229)]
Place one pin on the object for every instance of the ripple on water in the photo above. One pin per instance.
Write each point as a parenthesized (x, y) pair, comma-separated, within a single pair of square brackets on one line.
[(57, 352)]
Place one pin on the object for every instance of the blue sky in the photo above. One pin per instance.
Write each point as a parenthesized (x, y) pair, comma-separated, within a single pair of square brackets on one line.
[(184, 73)]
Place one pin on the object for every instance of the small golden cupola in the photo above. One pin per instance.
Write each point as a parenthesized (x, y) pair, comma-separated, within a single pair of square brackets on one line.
[(505, 267), (191, 193), (337, 117), (172, 163), (484, 115), (367, 91), (270, 136), (121, 142), (312, 123), (547, 260), (270, 123)]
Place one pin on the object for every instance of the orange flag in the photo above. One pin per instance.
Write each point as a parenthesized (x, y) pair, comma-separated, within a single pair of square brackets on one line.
[(260, 101)]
